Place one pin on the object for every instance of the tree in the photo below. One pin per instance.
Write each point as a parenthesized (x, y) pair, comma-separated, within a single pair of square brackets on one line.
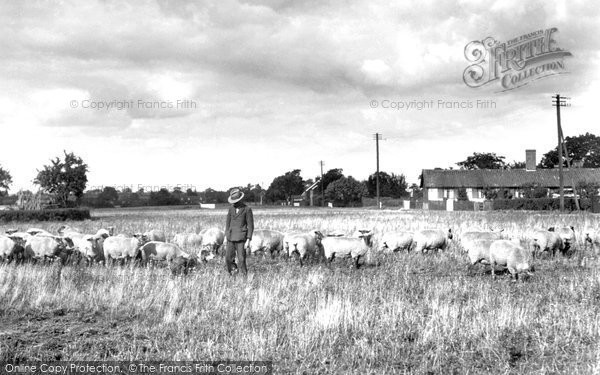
[(213, 196), (346, 191), (330, 176), (586, 189), (107, 198), (393, 185), (285, 186), (582, 148), (5, 181), (484, 160), (163, 198), (516, 165), (63, 178)]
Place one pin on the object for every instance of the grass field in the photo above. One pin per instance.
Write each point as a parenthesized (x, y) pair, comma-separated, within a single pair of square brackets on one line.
[(413, 313)]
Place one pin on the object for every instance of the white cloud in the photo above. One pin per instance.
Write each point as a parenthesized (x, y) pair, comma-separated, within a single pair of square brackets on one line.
[(284, 83)]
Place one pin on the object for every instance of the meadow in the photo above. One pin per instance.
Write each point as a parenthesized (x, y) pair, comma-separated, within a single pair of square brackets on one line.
[(399, 313)]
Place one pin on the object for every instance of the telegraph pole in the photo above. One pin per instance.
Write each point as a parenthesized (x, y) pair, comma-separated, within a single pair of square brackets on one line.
[(558, 102), (322, 187), (377, 138)]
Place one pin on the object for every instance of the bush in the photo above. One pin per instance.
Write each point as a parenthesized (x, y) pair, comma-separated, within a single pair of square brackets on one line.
[(60, 214), (539, 204)]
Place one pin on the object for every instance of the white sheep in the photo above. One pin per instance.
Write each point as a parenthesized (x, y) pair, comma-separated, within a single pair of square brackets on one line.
[(512, 255), (467, 239), (11, 248), (188, 240), (567, 235), (266, 240), (395, 241), (432, 239), (212, 240), (303, 244), (543, 240), (121, 247), (344, 247), (155, 235)]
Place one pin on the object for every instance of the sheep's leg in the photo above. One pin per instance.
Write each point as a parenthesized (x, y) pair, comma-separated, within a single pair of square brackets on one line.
[(493, 264), (330, 260), (356, 265)]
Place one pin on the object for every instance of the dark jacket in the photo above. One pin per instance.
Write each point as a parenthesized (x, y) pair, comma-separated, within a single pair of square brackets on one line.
[(240, 226)]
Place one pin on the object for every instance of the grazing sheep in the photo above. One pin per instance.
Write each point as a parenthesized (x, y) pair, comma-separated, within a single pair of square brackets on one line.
[(121, 247), (89, 246), (46, 247), (188, 240), (432, 239), (303, 244), (567, 235), (11, 248), (266, 240), (395, 241), (156, 250), (513, 256), (346, 247), (544, 240), (478, 251), (182, 265), (212, 240), (155, 235), (468, 238)]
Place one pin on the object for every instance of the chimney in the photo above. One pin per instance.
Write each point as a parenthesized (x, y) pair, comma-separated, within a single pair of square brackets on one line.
[(530, 160)]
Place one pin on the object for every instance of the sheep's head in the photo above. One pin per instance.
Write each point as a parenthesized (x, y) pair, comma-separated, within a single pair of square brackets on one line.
[(450, 233), (367, 237), (19, 241), (207, 253), (142, 239), (318, 236), (588, 238), (551, 229)]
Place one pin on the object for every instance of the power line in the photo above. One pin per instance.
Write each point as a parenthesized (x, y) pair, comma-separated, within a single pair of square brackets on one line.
[(558, 101), (377, 137), (321, 162)]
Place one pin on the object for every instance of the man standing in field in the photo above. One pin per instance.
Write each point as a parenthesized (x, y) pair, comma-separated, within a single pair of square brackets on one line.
[(238, 231)]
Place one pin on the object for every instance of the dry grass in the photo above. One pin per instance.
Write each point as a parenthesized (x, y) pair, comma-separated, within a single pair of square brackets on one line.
[(400, 313)]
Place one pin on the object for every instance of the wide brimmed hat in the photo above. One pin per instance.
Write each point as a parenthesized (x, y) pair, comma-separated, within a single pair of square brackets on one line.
[(235, 195)]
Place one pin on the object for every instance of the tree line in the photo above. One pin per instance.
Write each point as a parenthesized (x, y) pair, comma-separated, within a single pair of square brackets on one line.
[(65, 178)]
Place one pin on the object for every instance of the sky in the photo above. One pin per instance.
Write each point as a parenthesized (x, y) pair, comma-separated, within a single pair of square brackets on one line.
[(225, 93)]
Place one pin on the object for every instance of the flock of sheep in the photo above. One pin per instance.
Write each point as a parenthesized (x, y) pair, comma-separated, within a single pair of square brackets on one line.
[(186, 249)]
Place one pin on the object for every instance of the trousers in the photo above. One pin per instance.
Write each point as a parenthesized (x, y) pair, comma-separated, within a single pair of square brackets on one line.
[(233, 248)]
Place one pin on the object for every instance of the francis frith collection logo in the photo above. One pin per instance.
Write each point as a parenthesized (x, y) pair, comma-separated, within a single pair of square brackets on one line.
[(514, 63)]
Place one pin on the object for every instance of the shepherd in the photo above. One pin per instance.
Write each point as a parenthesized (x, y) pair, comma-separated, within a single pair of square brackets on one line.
[(238, 232)]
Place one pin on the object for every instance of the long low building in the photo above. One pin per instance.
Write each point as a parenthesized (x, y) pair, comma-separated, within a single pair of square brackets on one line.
[(439, 185)]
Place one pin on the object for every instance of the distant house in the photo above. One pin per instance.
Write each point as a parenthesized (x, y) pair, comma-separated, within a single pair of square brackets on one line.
[(440, 185), (307, 197)]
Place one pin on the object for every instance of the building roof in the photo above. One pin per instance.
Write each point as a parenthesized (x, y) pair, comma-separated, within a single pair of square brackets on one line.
[(507, 178)]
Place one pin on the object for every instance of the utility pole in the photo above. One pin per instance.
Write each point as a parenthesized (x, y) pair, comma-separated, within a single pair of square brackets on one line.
[(558, 102), (377, 138), (322, 188)]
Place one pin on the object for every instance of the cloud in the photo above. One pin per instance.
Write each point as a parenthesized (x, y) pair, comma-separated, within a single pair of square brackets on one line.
[(287, 83)]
